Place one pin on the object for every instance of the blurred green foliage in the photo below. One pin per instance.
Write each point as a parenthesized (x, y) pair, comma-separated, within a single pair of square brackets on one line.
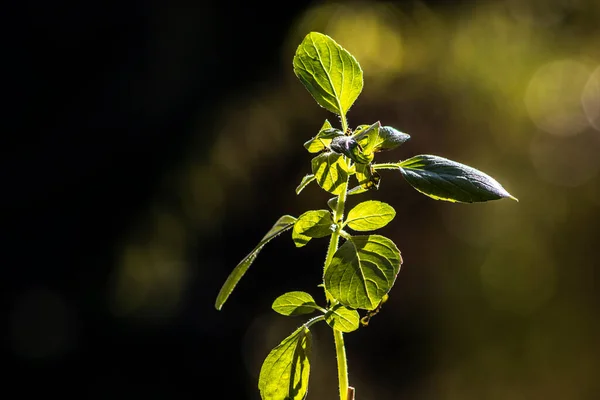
[(510, 87)]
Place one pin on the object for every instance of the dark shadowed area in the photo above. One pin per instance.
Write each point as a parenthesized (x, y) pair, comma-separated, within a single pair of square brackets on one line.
[(147, 147)]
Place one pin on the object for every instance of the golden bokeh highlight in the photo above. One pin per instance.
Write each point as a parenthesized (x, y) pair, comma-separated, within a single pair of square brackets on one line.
[(368, 30), (553, 97), (152, 269), (590, 99)]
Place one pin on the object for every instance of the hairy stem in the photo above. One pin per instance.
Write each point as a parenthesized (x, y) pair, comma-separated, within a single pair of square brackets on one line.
[(342, 364), (340, 351), (386, 166)]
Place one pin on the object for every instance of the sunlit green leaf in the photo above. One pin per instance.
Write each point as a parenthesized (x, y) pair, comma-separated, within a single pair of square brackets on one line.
[(312, 224), (362, 271), (367, 177), (295, 303), (330, 171), (329, 72), (443, 179), (284, 373), (342, 318), (305, 181), (370, 215), (323, 138), (284, 223), (368, 137), (357, 190)]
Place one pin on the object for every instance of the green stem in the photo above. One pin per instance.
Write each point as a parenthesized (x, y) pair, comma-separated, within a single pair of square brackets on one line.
[(314, 320), (342, 364), (340, 351), (386, 166)]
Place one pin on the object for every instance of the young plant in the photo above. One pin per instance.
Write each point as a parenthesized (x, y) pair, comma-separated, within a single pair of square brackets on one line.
[(359, 274)]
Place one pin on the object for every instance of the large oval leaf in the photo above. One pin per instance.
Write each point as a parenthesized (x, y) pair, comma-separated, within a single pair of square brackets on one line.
[(284, 223), (362, 271), (330, 171), (329, 72), (370, 215), (443, 179), (284, 373)]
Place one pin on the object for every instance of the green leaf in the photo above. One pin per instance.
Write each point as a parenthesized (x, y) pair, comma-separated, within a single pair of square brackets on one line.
[(370, 215), (312, 224), (323, 138), (330, 171), (305, 181), (362, 271), (295, 303), (332, 203), (356, 190), (367, 177), (390, 138), (283, 224), (284, 373), (368, 137), (329, 72), (342, 318), (443, 179)]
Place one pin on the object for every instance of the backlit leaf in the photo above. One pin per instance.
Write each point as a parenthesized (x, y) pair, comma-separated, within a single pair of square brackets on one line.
[(295, 303), (329, 72), (284, 373), (362, 271), (443, 179), (330, 171), (323, 138), (370, 215), (312, 224), (305, 181), (342, 318), (284, 223)]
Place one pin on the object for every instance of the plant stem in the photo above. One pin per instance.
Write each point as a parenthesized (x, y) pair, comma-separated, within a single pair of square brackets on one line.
[(342, 364), (386, 166), (338, 215)]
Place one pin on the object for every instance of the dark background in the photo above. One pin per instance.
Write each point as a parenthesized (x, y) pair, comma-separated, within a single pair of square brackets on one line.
[(106, 103)]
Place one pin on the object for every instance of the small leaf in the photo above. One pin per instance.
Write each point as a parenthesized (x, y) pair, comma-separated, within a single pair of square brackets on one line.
[(443, 179), (330, 171), (329, 72), (390, 138), (284, 373), (342, 318), (312, 224), (332, 203), (305, 181), (356, 190), (349, 147), (370, 215), (368, 137), (295, 303), (283, 224), (367, 177), (362, 271), (323, 138)]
